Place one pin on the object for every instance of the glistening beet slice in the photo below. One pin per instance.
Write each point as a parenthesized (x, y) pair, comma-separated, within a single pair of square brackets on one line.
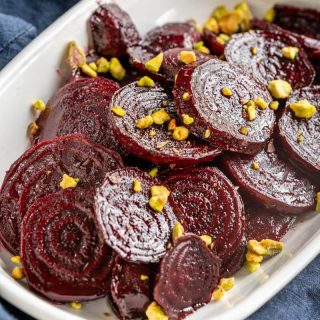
[(220, 118), (64, 256), (206, 203), (130, 227), (189, 273), (161, 148), (112, 30), (131, 288), (39, 171), (171, 35), (81, 106), (268, 63), (306, 154), (275, 184)]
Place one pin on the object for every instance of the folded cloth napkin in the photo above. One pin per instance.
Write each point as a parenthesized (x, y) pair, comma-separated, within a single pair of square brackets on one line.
[(300, 300)]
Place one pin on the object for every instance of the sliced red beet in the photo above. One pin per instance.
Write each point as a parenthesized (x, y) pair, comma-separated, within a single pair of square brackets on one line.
[(138, 102), (206, 203), (300, 20), (306, 154), (112, 30), (189, 273), (131, 288), (275, 184), (81, 106), (222, 117), (171, 35), (211, 41), (268, 63), (64, 256), (262, 223), (130, 227), (39, 172)]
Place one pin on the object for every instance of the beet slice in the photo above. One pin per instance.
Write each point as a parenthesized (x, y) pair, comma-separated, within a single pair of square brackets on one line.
[(300, 20), (211, 41), (275, 184), (171, 35), (80, 107), (131, 293), (306, 154), (268, 63), (39, 172), (130, 227), (138, 102), (112, 30), (64, 256), (262, 223), (223, 116), (188, 275)]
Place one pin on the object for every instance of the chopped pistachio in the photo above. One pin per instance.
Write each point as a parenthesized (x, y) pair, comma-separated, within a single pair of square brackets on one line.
[(153, 172), (160, 117), (76, 305), (116, 69), (93, 66), (230, 22), (223, 39), (303, 109), (290, 52), (211, 246), (145, 82), (88, 71), (255, 247), (206, 239), (273, 247), (185, 96), (274, 105), (172, 125), (207, 133), (155, 63), (226, 92), (119, 111), (17, 273), (253, 257), (270, 15), (212, 25), (144, 277), (159, 190), (177, 231), (16, 259), (136, 187), (260, 103), (187, 57), (252, 113), (68, 182), (300, 139), (39, 105), (318, 202), (255, 165), (32, 129), (76, 56), (254, 50), (157, 203), (280, 89), (155, 312), (219, 12), (198, 45), (246, 13), (198, 28), (204, 49), (227, 283), (244, 131), (186, 119), (180, 133), (144, 123), (102, 65), (218, 294), (152, 133), (252, 266)]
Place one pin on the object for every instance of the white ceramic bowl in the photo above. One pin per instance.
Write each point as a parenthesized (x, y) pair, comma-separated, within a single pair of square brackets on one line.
[(38, 71)]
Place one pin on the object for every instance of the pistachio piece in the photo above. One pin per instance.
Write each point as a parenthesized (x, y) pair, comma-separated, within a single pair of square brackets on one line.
[(155, 63), (244, 131), (252, 113), (180, 133), (290, 52), (119, 111), (204, 50), (255, 247), (300, 139), (157, 203), (160, 117), (177, 231), (212, 25), (270, 15), (153, 172), (254, 50), (16, 259), (219, 12), (280, 89), (116, 69), (88, 71), (76, 56), (144, 123), (206, 239), (39, 105), (252, 266), (145, 82), (17, 273), (103, 65), (198, 45), (255, 165), (93, 66), (159, 190), (136, 187), (186, 96), (273, 247), (226, 92), (76, 305), (318, 202), (187, 57), (227, 283), (218, 294), (32, 129), (155, 312), (260, 103), (274, 105), (223, 38), (207, 133), (144, 277), (303, 109), (68, 182), (172, 125), (230, 22), (253, 257), (187, 120)]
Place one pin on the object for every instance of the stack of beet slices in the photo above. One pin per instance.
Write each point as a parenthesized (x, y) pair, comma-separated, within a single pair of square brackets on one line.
[(87, 224)]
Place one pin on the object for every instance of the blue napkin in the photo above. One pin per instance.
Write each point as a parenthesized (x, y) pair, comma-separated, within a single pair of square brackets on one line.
[(20, 22)]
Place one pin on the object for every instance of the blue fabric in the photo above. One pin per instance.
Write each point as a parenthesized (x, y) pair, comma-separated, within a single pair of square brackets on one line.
[(20, 22)]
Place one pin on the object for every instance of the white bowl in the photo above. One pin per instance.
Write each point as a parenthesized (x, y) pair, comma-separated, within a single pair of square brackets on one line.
[(36, 73)]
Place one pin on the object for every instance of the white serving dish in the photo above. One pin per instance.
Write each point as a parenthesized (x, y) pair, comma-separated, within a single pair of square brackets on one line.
[(33, 74)]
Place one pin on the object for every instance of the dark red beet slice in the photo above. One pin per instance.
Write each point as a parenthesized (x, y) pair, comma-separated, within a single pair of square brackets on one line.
[(112, 30), (130, 227), (171, 35), (64, 257), (206, 203), (262, 223), (81, 106), (275, 184), (211, 41), (268, 63), (300, 20), (39, 172), (306, 154), (138, 102), (131, 294), (223, 116), (188, 275)]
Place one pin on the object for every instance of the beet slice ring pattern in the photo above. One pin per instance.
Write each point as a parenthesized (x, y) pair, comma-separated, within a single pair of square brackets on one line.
[(80, 107), (188, 275), (131, 288), (130, 226), (39, 172), (305, 154), (112, 30), (63, 255), (220, 118), (206, 203), (268, 63), (275, 184), (161, 148)]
